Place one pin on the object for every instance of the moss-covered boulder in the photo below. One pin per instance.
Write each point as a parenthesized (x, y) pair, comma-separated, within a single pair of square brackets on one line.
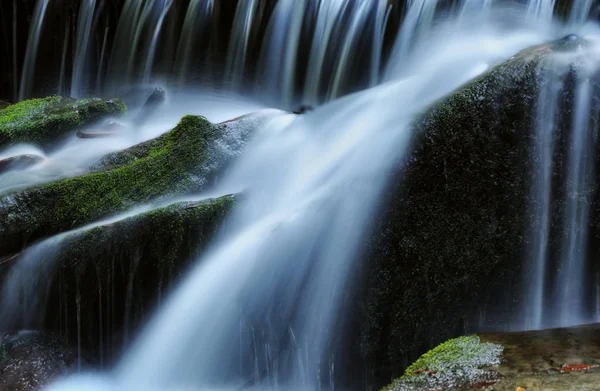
[(132, 262), (565, 359), (179, 162), (45, 120), (449, 245), (456, 363)]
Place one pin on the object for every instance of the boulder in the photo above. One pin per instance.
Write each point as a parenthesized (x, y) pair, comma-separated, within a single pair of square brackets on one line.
[(19, 162), (448, 248), (156, 99), (44, 121), (181, 161), (113, 274)]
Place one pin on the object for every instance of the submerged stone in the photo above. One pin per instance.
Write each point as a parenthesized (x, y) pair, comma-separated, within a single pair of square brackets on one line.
[(19, 162), (45, 121)]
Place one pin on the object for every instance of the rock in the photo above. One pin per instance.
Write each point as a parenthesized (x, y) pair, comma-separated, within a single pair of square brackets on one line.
[(176, 163), (138, 258), (565, 359), (4, 104), (449, 244), (19, 162), (156, 99), (96, 134), (303, 109), (456, 363), (31, 359), (45, 121)]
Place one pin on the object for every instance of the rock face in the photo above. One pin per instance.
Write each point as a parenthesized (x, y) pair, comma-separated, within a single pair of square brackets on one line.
[(132, 262), (31, 359), (179, 162), (451, 239), (45, 121)]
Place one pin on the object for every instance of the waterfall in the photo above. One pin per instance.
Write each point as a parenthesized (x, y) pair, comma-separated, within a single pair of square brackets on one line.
[(243, 22), (327, 17), (571, 281), (580, 12), (166, 6), (418, 21), (541, 10), (197, 18), (33, 39), (556, 290), (278, 56), (312, 186), (545, 124), (82, 42)]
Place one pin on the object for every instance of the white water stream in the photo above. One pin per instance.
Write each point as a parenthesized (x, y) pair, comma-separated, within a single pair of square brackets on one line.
[(261, 305)]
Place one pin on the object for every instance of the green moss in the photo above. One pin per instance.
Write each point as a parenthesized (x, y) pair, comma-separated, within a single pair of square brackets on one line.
[(44, 120), (172, 164), (454, 354), (167, 236)]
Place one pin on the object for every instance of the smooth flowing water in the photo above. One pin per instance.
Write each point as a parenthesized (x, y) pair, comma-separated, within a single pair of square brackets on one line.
[(311, 187), (261, 306), (556, 291), (546, 118)]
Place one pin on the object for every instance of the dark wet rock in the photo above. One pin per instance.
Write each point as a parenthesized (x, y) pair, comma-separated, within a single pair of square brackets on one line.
[(156, 99), (179, 162), (31, 359), (45, 121), (447, 252), (4, 104), (456, 363), (303, 109), (19, 162), (137, 259), (96, 134)]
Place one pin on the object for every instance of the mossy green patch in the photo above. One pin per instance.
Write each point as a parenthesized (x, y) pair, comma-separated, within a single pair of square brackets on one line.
[(457, 353), (452, 364), (172, 164), (45, 120)]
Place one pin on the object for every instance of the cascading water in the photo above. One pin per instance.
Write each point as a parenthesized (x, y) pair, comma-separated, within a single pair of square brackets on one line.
[(35, 31), (311, 186), (571, 281), (541, 196), (83, 33), (557, 299), (312, 183)]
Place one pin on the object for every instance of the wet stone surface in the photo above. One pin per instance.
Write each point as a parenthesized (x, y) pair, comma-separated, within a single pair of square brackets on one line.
[(566, 359), (31, 359)]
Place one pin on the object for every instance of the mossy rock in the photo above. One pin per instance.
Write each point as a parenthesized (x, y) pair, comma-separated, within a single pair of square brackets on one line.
[(44, 121), (173, 164), (137, 259), (449, 245), (453, 364)]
